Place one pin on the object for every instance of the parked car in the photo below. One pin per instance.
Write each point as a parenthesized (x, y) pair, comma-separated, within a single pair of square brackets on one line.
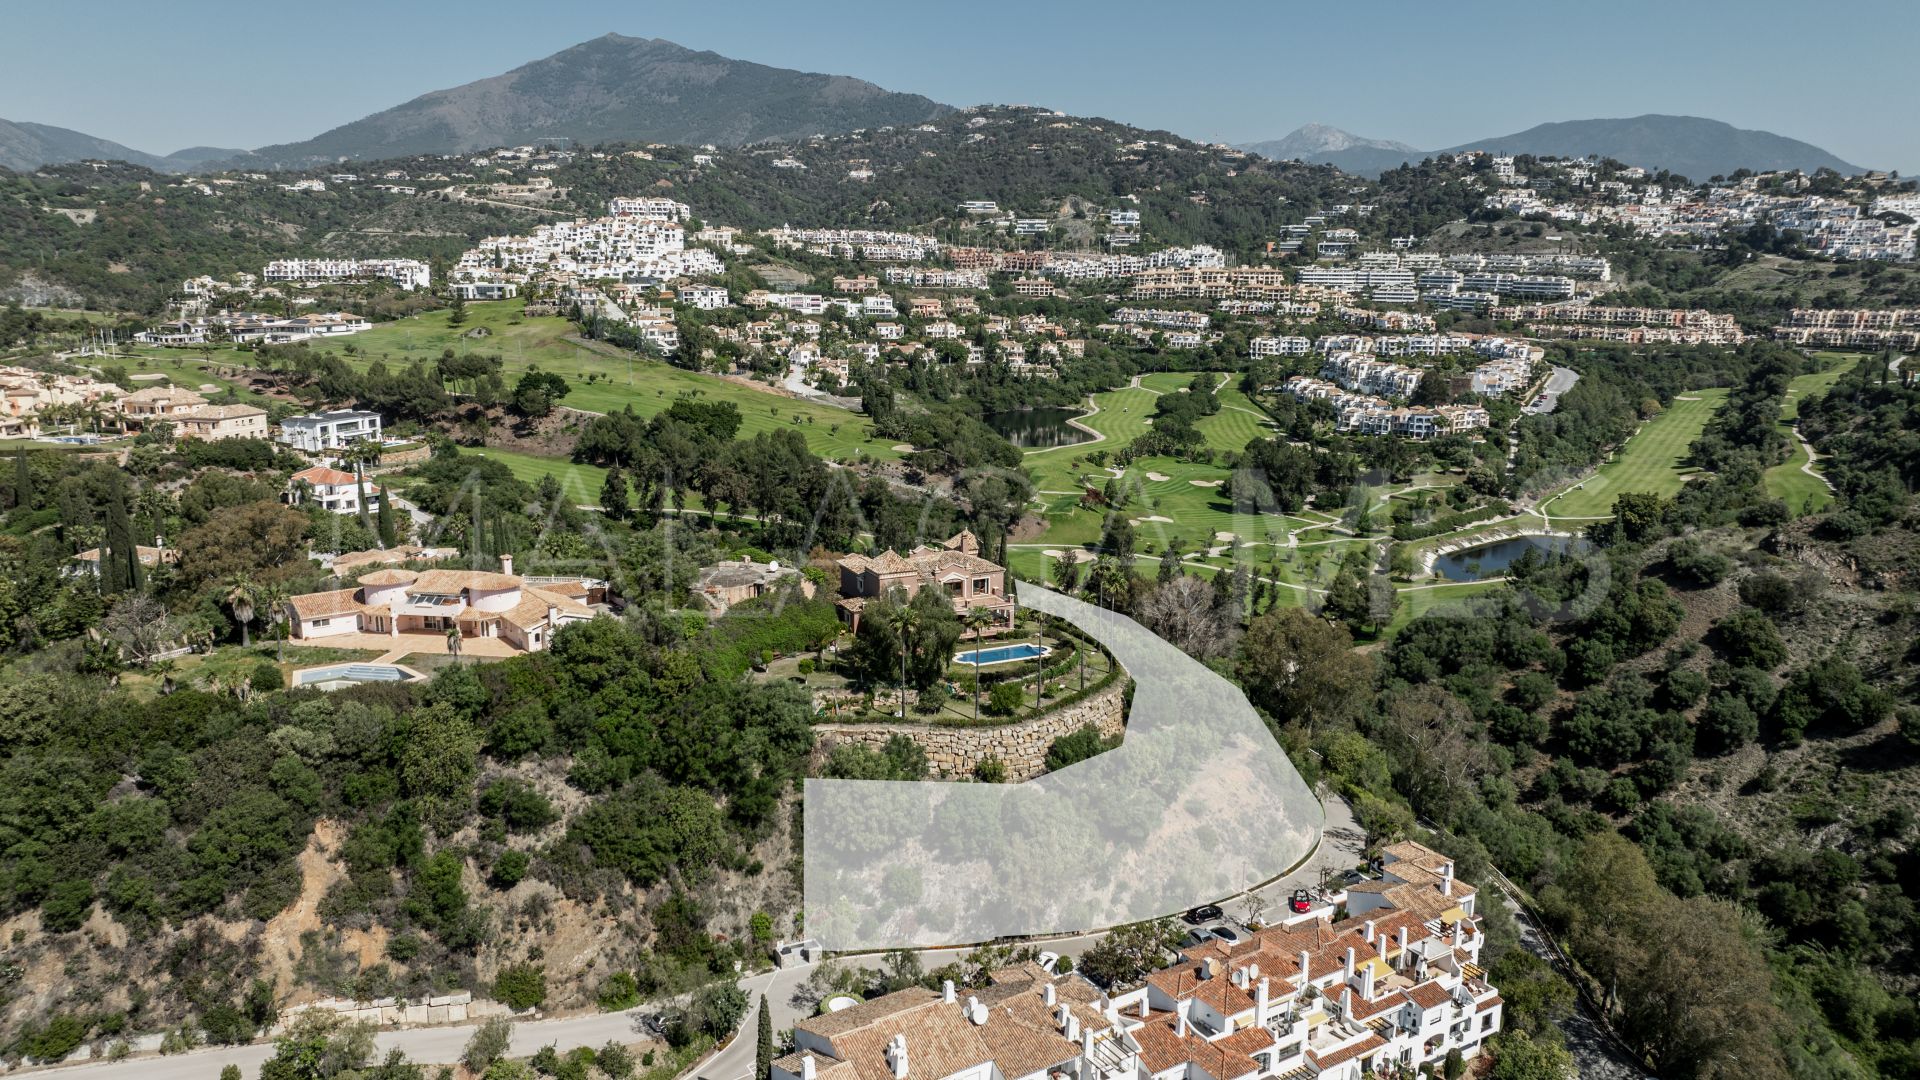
[(1199, 935), (1300, 902), (1046, 960), (1227, 934), (1205, 913)]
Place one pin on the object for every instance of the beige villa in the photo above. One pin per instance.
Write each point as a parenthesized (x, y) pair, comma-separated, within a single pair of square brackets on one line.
[(954, 566), (395, 602)]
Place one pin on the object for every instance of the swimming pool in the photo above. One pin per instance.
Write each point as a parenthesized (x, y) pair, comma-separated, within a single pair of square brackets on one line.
[(1002, 654), (336, 676)]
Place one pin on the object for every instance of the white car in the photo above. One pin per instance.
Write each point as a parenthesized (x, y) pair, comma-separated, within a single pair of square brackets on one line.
[(1046, 960)]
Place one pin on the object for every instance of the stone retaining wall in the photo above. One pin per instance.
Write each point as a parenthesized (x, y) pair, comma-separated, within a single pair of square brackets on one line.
[(1022, 746)]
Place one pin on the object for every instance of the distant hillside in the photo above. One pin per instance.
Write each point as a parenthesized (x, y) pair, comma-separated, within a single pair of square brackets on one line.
[(25, 147), (1692, 146), (195, 156), (1318, 144), (1689, 145), (615, 88)]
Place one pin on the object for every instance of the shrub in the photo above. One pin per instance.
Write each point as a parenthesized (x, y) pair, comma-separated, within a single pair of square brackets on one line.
[(510, 868), (518, 803), (991, 770), (1005, 699), (488, 1043), (521, 986), (1076, 747), (620, 992)]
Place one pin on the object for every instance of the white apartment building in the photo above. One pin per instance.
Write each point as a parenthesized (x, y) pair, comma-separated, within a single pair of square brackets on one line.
[(334, 430), (703, 297), (483, 290), (332, 490), (1031, 226), (407, 273), (1279, 346), (649, 207)]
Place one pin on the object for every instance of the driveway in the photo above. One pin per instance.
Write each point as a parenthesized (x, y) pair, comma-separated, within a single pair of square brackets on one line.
[(1559, 382)]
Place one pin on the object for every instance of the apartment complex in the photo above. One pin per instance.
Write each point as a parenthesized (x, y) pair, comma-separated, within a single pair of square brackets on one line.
[(1395, 985), (407, 273), (1894, 328)]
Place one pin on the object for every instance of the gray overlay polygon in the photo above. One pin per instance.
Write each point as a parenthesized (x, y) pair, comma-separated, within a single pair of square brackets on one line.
[(1198, 803)]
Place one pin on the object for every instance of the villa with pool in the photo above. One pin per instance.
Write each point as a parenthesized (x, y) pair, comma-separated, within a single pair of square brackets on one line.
[(953, 566), (395, 603)]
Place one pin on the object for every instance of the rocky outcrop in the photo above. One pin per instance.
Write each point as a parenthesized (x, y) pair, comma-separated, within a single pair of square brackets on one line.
[(1021, 746)]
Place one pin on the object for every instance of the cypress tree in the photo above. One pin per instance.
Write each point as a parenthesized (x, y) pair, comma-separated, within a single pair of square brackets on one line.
[(120, 558), (763, 1051), (22, 479), (388, 535)]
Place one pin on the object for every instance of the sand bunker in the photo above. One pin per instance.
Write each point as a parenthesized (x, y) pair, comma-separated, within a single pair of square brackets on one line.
[(1206, 483), (1158, 477), (1152, 517)]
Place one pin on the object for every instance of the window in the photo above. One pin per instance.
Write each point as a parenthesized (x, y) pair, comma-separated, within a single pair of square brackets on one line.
[(322, 622), (1486, 1022)]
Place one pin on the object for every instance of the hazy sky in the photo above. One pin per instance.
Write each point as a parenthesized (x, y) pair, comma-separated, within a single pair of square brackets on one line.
[(162, 76)]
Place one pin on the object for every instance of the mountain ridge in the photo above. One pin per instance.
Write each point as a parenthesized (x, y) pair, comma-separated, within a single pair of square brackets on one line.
[(1695, 147)]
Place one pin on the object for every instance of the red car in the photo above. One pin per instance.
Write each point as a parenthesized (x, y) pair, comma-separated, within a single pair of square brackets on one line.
[(1301, 902)]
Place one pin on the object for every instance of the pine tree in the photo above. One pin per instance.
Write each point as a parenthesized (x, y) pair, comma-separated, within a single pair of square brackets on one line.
[(763, 1051), (613, 495)]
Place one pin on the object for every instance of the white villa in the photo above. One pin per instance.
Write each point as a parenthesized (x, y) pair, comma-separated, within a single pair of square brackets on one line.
[(332, 430), (481, 604), (336, 491)]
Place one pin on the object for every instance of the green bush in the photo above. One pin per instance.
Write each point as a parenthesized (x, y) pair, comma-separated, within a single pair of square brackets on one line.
[(991, 770), (510, 868), (521, 986), (1005, 698), (620, 992)]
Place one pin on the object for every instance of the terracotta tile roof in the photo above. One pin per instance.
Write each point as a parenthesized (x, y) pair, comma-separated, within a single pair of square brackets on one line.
[(320, 605), (1429, 995), (399, 553), (389, 576), (531, 611), (223, 412), (321, 476), (1483, 1006), (450, 582), (1162, 1048)]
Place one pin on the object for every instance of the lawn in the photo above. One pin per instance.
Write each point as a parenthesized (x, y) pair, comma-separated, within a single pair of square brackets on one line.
[(618, 378), (1789, 481), (580, 483), (188, 369), (1652, 460)]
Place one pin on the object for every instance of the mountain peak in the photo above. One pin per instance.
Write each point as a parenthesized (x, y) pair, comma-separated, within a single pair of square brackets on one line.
[(1693, 146), (616, 88)]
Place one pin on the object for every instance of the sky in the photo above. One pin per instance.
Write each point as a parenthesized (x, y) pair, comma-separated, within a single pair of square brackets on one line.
[(163, 76)]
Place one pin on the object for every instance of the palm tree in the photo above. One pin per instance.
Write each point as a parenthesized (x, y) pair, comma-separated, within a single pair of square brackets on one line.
[(241, 594), (903, 621), (977, 620), (274, 598), (453, 641), (164, 669)]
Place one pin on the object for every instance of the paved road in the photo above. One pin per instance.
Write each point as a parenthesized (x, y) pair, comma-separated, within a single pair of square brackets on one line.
[(1559, 382)]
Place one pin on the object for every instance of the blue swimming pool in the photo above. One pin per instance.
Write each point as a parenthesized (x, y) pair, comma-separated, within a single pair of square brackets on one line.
[(1001, 654), (342, 675)]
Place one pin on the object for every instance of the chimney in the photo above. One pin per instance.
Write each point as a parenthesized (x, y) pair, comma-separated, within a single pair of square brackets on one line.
[(1403, 944), (1086, 1043), (1347, 969), (1346, 1003), (1306, 970), (1369, 930), (1180, 1023), (806, 1067), (1144, 1008), (897, 1056), (1060, 1014), (506, 563), (1261, 997), (1240, 978), (1458, 937), (1366, 982), (1073, 1028), (1047, 993), (946, 991)]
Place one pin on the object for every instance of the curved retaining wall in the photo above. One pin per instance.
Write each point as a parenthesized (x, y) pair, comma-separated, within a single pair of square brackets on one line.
[(1022, 745)]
